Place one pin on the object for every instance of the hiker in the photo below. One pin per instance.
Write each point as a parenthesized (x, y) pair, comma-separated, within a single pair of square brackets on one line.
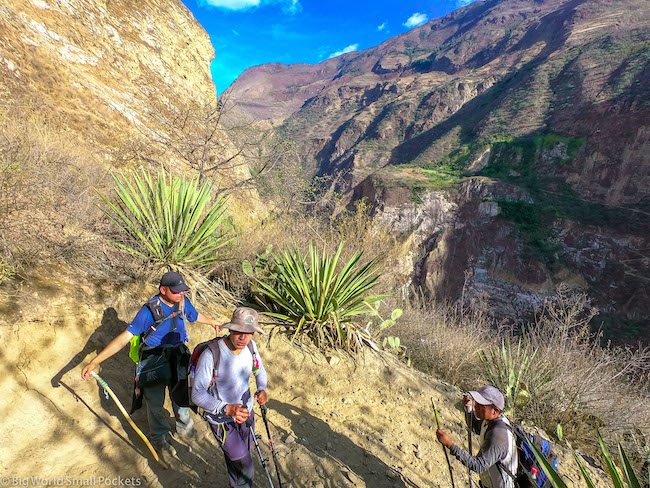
[(496, 461), (225, 396), (164, 343)]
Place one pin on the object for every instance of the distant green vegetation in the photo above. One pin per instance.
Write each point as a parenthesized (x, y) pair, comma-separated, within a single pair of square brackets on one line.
[(530, 221), (519, 162), (529, 163)]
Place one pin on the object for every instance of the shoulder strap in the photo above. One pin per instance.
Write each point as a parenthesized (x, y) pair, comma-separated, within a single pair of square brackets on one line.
[(173, 315), (155, 307), (508, 426), (216, 354), (256, 363)]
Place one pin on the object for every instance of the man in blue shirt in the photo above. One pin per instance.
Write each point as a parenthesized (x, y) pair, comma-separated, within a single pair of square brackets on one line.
[(170, 332)]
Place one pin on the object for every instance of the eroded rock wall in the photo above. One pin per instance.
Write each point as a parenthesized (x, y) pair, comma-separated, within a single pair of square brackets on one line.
[(102, 64)]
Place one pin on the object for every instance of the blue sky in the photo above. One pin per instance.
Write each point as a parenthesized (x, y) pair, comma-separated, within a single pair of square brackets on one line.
[(250, 32)]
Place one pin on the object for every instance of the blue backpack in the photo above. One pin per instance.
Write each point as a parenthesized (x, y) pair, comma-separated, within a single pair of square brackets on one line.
[(529, 472)]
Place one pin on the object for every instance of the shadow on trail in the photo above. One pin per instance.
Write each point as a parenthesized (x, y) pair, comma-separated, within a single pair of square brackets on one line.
[(117, 371), (198, 462), (317, 436), (109, 327), (99, 418)]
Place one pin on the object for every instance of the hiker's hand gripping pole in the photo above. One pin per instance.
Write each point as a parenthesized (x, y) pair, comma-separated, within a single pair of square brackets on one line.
[(451, 474), (108, 390)]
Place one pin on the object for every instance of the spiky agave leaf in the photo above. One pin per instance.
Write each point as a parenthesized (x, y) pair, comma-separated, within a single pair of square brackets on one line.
[(309, 293), (613, 470), (169, 220)]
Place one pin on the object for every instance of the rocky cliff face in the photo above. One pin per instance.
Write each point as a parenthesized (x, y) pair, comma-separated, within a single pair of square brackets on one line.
[(529, 119), (102, 64)]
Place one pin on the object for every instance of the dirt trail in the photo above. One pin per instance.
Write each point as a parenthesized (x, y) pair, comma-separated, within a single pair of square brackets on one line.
[(335, 423)]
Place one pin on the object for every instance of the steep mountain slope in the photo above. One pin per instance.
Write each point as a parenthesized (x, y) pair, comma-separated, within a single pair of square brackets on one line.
[(528, 119), (101, 65)]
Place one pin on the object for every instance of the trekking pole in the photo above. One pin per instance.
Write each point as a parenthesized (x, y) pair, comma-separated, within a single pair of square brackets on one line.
[(110, 393), (451, 474), (259, 451), (469, 446), (268, 434)]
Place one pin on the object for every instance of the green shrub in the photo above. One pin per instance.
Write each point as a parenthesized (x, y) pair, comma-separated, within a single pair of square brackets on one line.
[(313, 299), (616, 474), (7, 270), (513, 371), (169, 220)]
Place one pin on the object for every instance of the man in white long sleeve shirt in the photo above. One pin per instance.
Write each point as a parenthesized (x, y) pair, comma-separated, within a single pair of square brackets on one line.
[(225, 395)]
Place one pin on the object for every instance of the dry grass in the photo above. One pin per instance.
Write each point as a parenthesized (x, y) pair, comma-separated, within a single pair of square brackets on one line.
[(283, 230), (47, 206), (584, 384), (445, 341), (590, 384)]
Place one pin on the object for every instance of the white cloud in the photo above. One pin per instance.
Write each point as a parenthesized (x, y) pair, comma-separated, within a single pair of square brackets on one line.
[(292, 7), (235, 32), (288, 6), (462, 3), (382, 26), (415, 20), (349, 49), (231, 4)]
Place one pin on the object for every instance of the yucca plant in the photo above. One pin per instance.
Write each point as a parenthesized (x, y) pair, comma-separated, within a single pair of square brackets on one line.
[(309, 295), (506, 367), (615, 473), (169, 220)]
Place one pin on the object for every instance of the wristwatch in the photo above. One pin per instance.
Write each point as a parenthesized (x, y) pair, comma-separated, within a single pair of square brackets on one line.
[(223, 410)]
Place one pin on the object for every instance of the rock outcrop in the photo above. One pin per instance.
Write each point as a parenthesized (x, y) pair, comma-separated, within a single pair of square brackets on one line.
[(102, 65)]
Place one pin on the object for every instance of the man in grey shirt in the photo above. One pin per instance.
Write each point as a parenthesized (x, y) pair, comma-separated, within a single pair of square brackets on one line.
[(496, 461), (225, 396)]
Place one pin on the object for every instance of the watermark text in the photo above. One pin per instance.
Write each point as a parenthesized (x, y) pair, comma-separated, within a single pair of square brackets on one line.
[(28, 481)]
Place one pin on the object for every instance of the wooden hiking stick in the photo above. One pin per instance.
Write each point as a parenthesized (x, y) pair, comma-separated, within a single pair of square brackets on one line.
[(469, 445), (451, 474), (108, 390)]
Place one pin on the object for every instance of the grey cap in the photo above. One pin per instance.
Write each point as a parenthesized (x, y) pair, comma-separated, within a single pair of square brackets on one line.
[(244, 319), (174, 281), (488, 395)]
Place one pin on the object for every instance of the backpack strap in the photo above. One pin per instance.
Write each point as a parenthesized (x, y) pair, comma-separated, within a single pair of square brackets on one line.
[(500, 466), (213, 345), (256, 363), (216, 359), (155, 307)]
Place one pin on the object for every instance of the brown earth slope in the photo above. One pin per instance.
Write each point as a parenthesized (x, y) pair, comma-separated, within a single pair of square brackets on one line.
[(334, 424), (102, 64)]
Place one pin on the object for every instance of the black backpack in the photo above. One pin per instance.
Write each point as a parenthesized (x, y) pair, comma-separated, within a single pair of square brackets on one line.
[(182, 391), (529, 472)]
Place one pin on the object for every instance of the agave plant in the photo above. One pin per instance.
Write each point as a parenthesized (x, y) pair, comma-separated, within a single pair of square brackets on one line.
[(615, 473), (312, 297), (169, 220), (507, 367)]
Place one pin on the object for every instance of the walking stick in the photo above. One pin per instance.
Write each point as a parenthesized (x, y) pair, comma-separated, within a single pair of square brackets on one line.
[(259, 451), (451, 474), (469, 446), (268, 434), (110, 393)]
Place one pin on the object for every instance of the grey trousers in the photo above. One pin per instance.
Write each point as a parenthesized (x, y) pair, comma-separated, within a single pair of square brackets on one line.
[(159, 427)]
